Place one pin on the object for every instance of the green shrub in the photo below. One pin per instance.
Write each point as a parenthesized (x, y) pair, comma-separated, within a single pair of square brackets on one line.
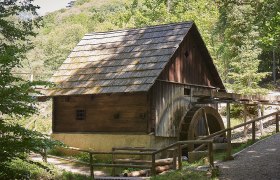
[(56, 152), (16, 142), (82, 157), (23, 169)]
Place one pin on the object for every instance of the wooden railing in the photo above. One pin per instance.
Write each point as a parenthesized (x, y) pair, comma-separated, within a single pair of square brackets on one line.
[(228, 131), (175, 147)]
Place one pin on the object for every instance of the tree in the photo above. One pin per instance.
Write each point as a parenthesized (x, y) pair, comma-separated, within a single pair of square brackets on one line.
[(269, 23), (239, 50), (14, 37), (17, 23)]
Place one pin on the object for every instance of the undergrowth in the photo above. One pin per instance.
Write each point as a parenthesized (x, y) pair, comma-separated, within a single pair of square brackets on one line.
[(40, 170)]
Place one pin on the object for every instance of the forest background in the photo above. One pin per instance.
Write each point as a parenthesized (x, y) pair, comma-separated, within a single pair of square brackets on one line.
[(242, 36)]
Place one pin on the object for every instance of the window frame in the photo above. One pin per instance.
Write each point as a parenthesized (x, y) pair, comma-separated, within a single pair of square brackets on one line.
[(80, 114)]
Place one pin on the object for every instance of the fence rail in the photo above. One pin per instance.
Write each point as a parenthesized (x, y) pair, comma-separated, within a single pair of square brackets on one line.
[(228, 131), (175, 147)]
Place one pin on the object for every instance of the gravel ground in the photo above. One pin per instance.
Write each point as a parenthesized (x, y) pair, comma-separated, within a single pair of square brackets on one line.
[(260, 161), (67, 166)]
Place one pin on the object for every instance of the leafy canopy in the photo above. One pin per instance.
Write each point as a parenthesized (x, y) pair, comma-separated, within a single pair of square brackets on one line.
[(17, 23)]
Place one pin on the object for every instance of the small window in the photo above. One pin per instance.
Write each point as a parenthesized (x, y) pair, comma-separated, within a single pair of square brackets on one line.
[(186, 54), (117, 116), (187, 91), (80, 114)]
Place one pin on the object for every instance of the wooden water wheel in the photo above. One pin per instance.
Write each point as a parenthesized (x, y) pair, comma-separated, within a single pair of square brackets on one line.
[(198, 123)]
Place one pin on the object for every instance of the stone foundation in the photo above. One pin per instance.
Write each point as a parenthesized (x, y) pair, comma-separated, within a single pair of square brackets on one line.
[(105, 142)]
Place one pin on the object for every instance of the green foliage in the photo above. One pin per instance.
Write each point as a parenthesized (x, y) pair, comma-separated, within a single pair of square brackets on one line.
[(62, 30), (269, 21), (83, 157), (36, 170), (239, 50), (16, 94), (235, 33), (222, 155), (16, 142), (14, 33), (56, 152), (23, 169)]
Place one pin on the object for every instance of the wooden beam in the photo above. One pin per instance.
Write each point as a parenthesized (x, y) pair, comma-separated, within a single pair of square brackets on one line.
[(223, 96)]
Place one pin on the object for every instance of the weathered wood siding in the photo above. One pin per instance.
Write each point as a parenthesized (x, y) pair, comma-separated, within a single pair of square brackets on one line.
[(191, 63), (100, 113), (168, 107)]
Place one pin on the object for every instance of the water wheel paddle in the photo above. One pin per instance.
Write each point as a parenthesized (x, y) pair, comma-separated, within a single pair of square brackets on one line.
[(198, 123)]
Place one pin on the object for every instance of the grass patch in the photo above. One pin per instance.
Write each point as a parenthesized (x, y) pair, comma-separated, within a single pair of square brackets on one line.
[(38, 170), (221, 155), (189, 172), (200, 162), (235, 121)]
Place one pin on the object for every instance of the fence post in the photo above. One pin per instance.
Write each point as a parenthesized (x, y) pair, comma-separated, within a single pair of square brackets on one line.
[(228, 155), (44, 155), (153, 169), (210, 154), (91, 165), (174, 165), (113, 162), (179, 156), (260, 114), (253, 131), (277, 123)]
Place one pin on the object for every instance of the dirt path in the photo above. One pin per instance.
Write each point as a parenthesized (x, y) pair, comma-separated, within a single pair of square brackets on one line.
[(68, 166), (260, 161), (79, 168)]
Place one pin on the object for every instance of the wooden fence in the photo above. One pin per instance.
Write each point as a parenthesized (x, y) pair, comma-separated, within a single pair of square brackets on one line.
[(175, 147), (228, 131)]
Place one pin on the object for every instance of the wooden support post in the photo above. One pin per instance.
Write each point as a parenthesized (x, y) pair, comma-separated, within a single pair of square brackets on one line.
[(228, 154), (245, 114), (210, 154), (260, 114), (91, 165), (153, 168), (113, 162), (44, 155), (179, 156), (277, 123), (174, 163), (253, 131)]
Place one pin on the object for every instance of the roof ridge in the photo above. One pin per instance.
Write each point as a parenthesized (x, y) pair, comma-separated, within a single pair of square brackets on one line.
[(140, 28)]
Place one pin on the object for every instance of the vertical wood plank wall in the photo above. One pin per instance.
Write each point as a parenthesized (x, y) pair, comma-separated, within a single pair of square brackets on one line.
[(100, 113), (191, 64), (169, 105)]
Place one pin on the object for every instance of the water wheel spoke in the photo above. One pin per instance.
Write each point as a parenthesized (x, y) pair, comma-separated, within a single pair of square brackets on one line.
[(206, 125), (200, 122)]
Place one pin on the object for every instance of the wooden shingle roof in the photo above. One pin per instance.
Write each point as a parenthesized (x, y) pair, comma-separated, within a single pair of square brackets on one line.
[(118, 61)]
